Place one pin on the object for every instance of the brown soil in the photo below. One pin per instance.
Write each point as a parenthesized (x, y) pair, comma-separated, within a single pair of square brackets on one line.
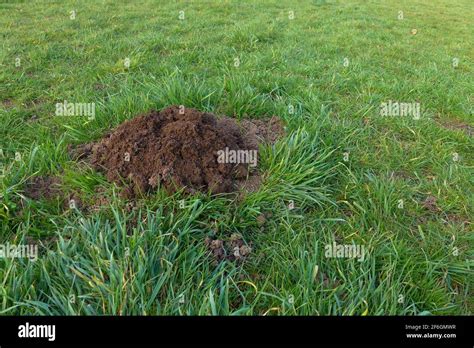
[(233, 249), (43, 187), (456, 219), (263, 131), (80, 152), (101, 200), (174, 150), (430, 203), (73, 201), (251, 184), (261, 219), (7, 103), (455, 124), (50, 188)]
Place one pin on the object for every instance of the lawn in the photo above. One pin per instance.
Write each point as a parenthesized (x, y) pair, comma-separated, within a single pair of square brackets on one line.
[(400, 186)]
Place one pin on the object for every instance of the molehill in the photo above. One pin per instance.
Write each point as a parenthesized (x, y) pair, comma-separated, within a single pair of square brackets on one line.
[(180, 148)]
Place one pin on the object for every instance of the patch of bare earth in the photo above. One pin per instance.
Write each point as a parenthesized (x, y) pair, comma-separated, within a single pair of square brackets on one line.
[(232, 249), (43, 187), (454, 124), (430, 204), (7, 103), (50, 188)]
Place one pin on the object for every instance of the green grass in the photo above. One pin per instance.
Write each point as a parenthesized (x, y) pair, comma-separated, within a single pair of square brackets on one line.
[(152, 259)]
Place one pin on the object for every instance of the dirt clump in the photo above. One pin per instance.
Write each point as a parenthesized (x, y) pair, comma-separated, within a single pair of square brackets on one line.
[(261, 219), (179, 148), (43, 187), (430, 204), (170, 148), (7, 103), (232, 249), (216, 248)]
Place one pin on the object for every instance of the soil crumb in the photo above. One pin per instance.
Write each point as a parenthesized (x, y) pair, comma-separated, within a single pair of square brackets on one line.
[(7, 103), (43, 187), (430, 203), (180, 148), (233, 249)]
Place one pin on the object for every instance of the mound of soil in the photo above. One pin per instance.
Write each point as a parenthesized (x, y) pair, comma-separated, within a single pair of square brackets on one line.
[(177, 148)]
